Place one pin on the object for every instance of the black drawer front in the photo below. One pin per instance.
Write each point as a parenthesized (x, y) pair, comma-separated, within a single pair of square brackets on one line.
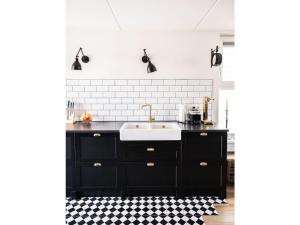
[(202, 174), (97, 146), (133, 151), (150, 174), (202, 146), (69, 143), (98, 175)]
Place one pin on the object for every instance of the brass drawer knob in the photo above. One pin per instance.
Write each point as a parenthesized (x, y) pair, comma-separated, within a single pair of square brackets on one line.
[(150, 149), (203, 163), (97, 135), (97, 164), (203, 134), (150, 164)]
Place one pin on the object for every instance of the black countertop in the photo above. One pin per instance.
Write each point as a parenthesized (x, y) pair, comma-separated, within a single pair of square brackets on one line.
[(109, 127)]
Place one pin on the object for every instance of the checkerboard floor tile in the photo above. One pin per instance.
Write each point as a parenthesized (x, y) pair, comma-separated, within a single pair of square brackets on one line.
[(139, 210)]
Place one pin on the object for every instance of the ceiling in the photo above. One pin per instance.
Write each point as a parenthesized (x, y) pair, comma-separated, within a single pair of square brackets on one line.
[(202, 15)]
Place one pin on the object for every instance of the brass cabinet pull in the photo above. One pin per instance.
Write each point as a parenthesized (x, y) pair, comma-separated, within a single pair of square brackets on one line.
[(150, 164), (97, 135), (203, 163), (203, 134), (97, 164), (150, 149)]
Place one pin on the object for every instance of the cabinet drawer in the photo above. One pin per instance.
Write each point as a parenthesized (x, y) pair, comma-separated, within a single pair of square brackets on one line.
[(150, 174), (202, 174), (98, 175), (97, 146), (133, 151), (202, 146)]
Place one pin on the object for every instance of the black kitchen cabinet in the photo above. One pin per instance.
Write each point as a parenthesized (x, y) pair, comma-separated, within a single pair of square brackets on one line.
[(98, 175), (204, 163), (97, 145), (70, 162), (149, 150), (202, 145), (99, 164)]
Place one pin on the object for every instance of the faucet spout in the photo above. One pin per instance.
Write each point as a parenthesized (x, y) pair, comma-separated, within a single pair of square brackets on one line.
[(151, 118)]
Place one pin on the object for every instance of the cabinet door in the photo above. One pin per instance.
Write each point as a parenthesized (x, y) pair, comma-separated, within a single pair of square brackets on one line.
[(69, 145), (68, 175), (97, 146), (155, 150), (201, 174), (150, 174), (202, 145), (98, 175)]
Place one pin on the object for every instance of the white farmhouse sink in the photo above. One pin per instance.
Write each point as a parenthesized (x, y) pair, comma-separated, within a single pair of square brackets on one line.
[(150, 131)]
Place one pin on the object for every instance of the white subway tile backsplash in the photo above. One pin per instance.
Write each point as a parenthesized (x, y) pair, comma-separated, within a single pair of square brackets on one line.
[(115, 100), (108, 82), (90, 88), (102, 88), (133, 82), (181, 82), (121, 106), (163, 100), (157, 82), (109, 106), (78, 88), (206, 82), (163, 88), (139, 88), (193, 82), (169, 94), (121, 82), (121, 94), (84, 82), (96, 82), (72, 82), (114, 88), (121, 100), (127, 88), (145, 82), (169, 82), (102, 100)]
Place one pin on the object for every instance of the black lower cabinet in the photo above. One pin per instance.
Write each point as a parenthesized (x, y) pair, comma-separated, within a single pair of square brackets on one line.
[(99, 164), (150, 177), (99, 178), (201, 178)]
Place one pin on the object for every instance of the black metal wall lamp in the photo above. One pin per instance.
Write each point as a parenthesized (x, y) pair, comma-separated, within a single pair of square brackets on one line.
[(150, 68), (76, 65), (215, 57)]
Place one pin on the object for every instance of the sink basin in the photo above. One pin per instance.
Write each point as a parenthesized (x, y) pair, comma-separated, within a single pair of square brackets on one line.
[(150, 131)]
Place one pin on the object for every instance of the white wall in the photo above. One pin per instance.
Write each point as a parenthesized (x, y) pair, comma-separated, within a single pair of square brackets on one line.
[(117, 54)]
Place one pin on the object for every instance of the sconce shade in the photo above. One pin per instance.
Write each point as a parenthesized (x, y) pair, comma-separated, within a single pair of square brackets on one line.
[(76, 65), (151, 68)]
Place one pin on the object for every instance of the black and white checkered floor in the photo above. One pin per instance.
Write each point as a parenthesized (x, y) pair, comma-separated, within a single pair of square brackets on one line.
[(140, 210)]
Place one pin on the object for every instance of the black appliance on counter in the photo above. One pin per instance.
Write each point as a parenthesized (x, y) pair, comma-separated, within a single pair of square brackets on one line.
[(194, 116)]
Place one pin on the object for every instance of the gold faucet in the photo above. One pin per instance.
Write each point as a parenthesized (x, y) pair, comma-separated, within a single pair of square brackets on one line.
[(151, 118), (205, 120)]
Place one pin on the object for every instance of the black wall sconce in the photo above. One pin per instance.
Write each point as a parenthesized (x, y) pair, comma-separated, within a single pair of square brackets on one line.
[(215, 57), (150, 68), (76, 65)]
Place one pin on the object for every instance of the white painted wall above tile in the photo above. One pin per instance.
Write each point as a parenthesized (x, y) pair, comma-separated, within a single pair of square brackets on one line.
[(117, 54)]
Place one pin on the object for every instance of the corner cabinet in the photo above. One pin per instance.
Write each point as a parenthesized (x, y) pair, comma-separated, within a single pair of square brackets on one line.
[(99, 164)]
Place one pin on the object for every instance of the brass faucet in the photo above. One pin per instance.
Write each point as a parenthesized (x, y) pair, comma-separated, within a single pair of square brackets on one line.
[(151, 118), (205, 120)]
